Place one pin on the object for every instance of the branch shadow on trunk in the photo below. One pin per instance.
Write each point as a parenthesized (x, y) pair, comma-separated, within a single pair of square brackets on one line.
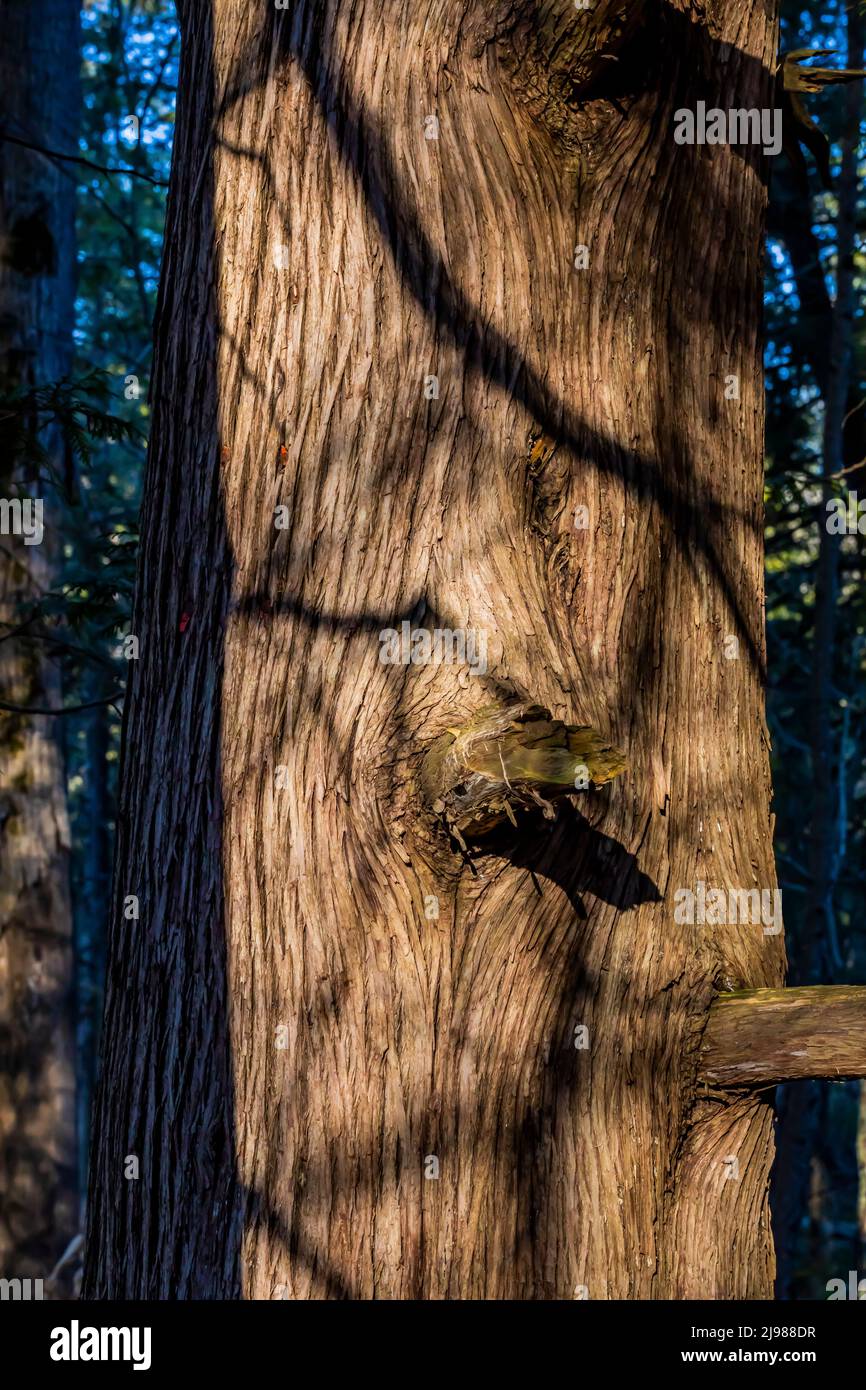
[(296, 37)]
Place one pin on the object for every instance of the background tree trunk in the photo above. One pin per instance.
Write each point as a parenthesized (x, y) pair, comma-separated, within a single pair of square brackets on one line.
[(350, 1062), (802, 1107), (38, 1212)]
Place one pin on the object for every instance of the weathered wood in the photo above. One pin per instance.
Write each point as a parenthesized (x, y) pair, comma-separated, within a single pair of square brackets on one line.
[(757, 1037)]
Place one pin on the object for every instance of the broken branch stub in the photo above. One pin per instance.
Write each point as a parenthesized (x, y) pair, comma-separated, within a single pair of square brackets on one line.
[(760, 1037), (796, 77), (793, 79), (479, 774)]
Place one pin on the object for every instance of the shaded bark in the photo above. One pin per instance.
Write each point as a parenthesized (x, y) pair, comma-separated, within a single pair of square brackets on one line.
[(363, 1066), (38, 1216)]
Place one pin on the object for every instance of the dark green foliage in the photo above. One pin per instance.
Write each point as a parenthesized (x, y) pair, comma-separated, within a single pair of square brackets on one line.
[(79, 409)]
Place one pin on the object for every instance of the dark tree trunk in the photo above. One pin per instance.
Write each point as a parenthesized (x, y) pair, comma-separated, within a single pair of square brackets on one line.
[(349, 1061), (799, 1111)]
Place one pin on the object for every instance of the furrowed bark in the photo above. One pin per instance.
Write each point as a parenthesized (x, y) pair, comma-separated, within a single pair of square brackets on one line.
[(765, 1036)]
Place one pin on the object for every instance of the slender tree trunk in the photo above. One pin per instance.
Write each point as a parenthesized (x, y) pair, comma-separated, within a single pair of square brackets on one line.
[(351, 1058), (824, 833), (799, 1111), (38, 1215)]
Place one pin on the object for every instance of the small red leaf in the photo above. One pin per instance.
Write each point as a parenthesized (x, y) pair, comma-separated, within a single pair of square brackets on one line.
[(184, 621)]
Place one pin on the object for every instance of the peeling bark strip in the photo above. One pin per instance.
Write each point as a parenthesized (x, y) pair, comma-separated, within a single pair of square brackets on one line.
[(757, 1037), (358, 1068)]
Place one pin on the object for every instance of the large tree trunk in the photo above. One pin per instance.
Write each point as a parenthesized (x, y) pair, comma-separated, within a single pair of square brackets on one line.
[(349, 1055), (38, 1214)]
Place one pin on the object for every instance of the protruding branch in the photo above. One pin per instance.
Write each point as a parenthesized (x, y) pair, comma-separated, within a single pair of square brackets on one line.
[(505, 759), (758, 1037), (794, 78)]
